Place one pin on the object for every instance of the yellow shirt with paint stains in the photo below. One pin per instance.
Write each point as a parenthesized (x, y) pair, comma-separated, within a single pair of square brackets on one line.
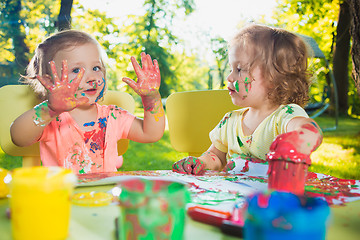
[(228, 135)]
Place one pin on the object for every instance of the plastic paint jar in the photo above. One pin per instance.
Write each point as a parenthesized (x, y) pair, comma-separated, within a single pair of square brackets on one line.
[(287, 176), (282, 215), (40, 202), (152, 209)]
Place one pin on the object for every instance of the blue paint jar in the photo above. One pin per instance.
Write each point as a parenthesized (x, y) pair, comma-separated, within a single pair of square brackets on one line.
[(282, 215)]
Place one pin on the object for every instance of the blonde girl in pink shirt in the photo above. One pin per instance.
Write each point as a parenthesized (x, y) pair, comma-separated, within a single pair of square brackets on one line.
[(68, 74)]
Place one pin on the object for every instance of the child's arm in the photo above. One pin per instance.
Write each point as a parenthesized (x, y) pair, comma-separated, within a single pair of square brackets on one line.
[(303, 136), (151, 128), (212, 159), (28, 127)]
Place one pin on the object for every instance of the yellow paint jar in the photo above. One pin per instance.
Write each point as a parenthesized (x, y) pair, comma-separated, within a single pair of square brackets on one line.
[(40, 202)]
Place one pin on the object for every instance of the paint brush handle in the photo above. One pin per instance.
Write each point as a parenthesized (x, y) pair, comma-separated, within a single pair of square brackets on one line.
[(208, 216), (232, 228)]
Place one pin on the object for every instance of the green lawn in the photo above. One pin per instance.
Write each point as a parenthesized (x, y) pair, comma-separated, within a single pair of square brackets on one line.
[(338, 155)]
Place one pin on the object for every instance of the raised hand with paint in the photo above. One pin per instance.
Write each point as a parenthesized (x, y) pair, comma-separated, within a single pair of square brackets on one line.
[(61, 93), (147, 87), (269, 81), (68, 74)]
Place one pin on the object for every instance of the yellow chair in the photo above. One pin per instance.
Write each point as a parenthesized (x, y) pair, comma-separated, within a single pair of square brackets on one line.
[(192, 115), (16, 99)]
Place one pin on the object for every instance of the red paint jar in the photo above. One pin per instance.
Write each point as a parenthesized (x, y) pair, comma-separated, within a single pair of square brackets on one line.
[(287, 176)]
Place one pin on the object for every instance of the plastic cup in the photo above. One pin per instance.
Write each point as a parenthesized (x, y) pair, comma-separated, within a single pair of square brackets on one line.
[(40, 202), (283, 216), (287, 176), (152, 209)]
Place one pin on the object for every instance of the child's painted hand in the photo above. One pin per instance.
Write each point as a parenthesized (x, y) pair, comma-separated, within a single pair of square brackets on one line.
[(189, 165), (288, 146), (62, 96), (149, 79), (229, 166), (148, 85)]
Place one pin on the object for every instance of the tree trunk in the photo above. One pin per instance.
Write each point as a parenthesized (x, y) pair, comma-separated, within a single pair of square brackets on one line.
[(64, 17), (341, 57), (21, 50), (354, 6), (210, 80)]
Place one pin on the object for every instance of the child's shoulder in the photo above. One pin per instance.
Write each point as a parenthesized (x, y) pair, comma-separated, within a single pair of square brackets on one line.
[(290, 111), (290, 108), (235, 113)]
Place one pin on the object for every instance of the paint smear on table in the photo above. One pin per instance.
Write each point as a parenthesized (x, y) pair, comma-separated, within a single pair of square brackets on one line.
[(222, 190)]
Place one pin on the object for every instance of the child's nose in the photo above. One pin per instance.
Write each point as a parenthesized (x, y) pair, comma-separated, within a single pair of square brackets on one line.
[(92, 83), (90, 77), (229, 78)]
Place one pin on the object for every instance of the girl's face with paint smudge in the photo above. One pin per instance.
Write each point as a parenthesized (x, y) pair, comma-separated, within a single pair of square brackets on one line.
[(245, 89), (85, 56)]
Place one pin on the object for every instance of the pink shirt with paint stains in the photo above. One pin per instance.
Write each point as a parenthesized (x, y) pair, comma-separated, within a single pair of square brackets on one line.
[(64, 144)]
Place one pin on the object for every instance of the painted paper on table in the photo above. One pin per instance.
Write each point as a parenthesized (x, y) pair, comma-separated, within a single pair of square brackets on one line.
[(220, 190)]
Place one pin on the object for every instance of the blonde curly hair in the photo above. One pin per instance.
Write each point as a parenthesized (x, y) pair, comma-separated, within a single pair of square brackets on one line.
[(282, 58)]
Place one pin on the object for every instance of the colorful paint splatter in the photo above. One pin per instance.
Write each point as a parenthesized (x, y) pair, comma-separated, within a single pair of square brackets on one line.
[(223, 121), (162, 201), (101, 94), (247, 85), (289, 109), (222, 190)]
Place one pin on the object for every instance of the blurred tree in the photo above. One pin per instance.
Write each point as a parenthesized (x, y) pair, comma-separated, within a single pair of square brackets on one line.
[(13, 34), (341, 56), (310, 17), (106, 31), (354, 6), (219, 48), (189, 72), (210, 79), (64, 19), (152, 34), (41, 18), (328, 23), (23, 25)]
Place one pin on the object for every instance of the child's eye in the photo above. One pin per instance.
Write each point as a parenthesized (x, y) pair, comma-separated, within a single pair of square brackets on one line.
[(76, 70), (97, 68)]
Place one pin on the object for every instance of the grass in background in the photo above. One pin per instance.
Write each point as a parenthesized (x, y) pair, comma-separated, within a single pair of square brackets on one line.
[(9, 162), (338, 155), (151, 156)]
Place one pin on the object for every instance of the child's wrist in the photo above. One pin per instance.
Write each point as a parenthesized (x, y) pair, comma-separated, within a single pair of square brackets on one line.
[(43, 114), (152, 104)]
